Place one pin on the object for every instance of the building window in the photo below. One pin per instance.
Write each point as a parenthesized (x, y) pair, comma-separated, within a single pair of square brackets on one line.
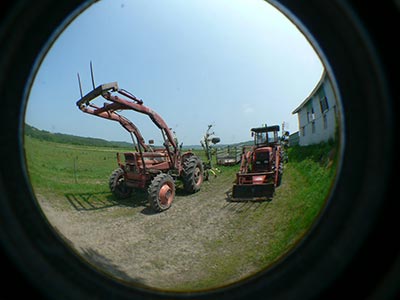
[(313, 127), (310, 113), (323, 101), (303, 131), (325, 121)]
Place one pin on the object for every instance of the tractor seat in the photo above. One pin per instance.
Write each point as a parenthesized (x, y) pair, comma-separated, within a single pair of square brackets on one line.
[(261, 161)]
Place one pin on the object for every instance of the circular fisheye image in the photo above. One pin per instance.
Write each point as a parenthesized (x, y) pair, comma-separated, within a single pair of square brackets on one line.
[(182, 145)]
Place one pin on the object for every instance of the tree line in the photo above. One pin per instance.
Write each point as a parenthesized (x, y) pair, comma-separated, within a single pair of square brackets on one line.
[(71, 139)]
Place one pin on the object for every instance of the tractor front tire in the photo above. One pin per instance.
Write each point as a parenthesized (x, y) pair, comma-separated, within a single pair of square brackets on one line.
[(118, 186), (193, 174), (161, 192)]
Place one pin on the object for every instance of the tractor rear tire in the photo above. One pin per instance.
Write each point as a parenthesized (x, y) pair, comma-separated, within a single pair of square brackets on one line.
[(193, 174), (161, 192), (118, 186)]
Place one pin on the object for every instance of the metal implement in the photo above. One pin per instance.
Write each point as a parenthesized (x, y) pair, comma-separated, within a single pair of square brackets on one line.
[(207, 142)]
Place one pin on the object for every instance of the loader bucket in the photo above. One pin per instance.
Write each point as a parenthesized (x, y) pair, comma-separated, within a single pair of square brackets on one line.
[(243, 192)]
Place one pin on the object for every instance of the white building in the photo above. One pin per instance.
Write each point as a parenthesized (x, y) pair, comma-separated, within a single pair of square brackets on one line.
[(318, 114)]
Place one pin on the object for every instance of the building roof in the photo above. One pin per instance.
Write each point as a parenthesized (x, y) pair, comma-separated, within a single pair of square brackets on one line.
[(311, 94)]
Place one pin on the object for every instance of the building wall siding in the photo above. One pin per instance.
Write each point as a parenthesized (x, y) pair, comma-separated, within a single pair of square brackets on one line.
[(309, 135)]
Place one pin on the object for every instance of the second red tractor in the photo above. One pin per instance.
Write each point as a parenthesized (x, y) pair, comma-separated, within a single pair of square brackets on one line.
[(261, 166)]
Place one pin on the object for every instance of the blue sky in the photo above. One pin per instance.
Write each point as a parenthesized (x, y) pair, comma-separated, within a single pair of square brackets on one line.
[(236, 64)]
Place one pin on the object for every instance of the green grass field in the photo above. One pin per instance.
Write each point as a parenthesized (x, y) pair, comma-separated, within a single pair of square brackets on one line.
[(60, 168), (57, 169)]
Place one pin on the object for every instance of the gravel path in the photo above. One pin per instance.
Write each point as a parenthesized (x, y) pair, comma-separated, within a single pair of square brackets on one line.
[(167, 250)]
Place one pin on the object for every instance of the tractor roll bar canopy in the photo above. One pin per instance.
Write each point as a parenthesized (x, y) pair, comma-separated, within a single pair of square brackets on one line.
[(266, 128)]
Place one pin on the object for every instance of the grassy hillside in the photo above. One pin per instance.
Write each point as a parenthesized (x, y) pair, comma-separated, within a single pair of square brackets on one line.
[(63, 138), (59, 167), (71, 139)]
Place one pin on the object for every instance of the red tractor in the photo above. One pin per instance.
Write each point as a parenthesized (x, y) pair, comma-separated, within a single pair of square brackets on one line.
[(146, 168), (261, 166)]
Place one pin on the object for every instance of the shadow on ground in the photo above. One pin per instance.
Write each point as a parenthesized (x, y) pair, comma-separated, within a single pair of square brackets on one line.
[(100, 262), (245, 204), (103, 200), (106, 265)]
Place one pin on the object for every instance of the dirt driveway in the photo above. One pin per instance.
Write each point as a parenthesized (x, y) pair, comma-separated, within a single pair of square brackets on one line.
[(203, 240)]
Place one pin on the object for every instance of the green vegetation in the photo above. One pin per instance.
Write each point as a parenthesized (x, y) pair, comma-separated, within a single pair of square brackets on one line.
[(309, 176), (59, 168)]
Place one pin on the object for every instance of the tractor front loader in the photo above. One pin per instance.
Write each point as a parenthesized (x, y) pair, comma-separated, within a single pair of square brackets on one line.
[(145, 168), (261, 166)]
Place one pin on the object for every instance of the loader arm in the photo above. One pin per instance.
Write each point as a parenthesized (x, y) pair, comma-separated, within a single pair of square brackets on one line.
[(108, 110), (127, 102), (109, 113), (141, 108)]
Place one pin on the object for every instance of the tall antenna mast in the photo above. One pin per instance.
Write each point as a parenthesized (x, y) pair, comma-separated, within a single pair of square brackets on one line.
[(91, 73), (80, 85)]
